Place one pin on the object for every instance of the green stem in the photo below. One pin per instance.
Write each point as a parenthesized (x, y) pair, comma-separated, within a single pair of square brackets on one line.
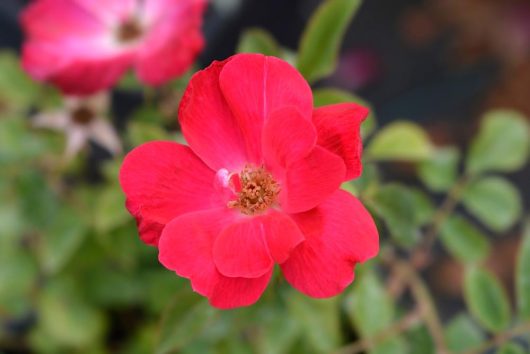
[(398, 327), (501, 338), (445, 210)]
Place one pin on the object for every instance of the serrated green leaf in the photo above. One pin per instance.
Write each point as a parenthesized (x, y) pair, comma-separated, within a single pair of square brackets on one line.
[(318, 318), (486, 299), (463, 240), (494, 201), (400, 141), (511, 348), (368, 305), (257, 40), (396, 205), (462, 334), (440, 171), (327, 96), (522, 275), (321, 40), (502, 143)]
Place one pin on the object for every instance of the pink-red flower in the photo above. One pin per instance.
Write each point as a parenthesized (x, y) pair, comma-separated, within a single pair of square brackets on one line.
[(84, 46), (258, 185)]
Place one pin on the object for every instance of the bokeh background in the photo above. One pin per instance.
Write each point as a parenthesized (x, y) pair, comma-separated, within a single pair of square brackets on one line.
[(439, 63)]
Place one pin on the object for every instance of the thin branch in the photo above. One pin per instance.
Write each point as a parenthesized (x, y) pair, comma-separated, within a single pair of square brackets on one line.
[(396, 328), (501, 338), (426, 305), (439, 217)]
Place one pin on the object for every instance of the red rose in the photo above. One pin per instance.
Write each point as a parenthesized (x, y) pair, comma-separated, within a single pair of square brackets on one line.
[(84, 46), (258, 185)]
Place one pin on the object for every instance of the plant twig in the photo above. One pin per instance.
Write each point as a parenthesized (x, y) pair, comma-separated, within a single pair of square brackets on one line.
[(439, 217), (426, 305), (501, 338), (398, 327)]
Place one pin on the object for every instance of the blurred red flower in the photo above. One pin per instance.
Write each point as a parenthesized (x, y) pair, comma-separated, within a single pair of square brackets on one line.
[(258, 185), (84, 46)]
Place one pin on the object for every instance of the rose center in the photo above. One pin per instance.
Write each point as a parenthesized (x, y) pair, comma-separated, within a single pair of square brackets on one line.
[(82, 115), (129, 31), (255, 189)]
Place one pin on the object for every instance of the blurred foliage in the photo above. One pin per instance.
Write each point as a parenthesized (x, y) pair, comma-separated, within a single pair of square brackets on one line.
[(75, 278)]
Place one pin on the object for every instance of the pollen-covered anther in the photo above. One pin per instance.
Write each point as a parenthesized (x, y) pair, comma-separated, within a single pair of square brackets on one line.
[(129, 31), (257, 191)]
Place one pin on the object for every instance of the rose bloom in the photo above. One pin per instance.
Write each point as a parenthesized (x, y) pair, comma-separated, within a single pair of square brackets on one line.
[(258, 185), (84, 46)]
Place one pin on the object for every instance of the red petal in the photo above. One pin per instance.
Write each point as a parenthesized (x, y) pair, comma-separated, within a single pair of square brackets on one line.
[(229, 293), (208, 124), (310, 180), (109, 12), (173, 43), (241, 250), (339, 233), (186, 248), (255, 86), (287, 137), (282, 235), (186, 245), (338, 127), (57, 19), (163, 180)]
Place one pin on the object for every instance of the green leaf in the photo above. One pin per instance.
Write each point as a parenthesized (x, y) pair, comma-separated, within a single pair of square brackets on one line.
[(511, 348), (17, 144), (184, 321), (278, 333), (257, 40), (486, 299), (439, 173), (396, 205), (327, 96), (393, 345), (422, 339), (319, 319), (66, 318), (494, 201), (61, 240), (402, 141), (110, 212), (129, 82), (39, 203), (502, 143), (522, 275), (463, 240), (423, 207), (368, 305), (321, 40), (139, 132), (18, 276), (462, 334), (17, 90)]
